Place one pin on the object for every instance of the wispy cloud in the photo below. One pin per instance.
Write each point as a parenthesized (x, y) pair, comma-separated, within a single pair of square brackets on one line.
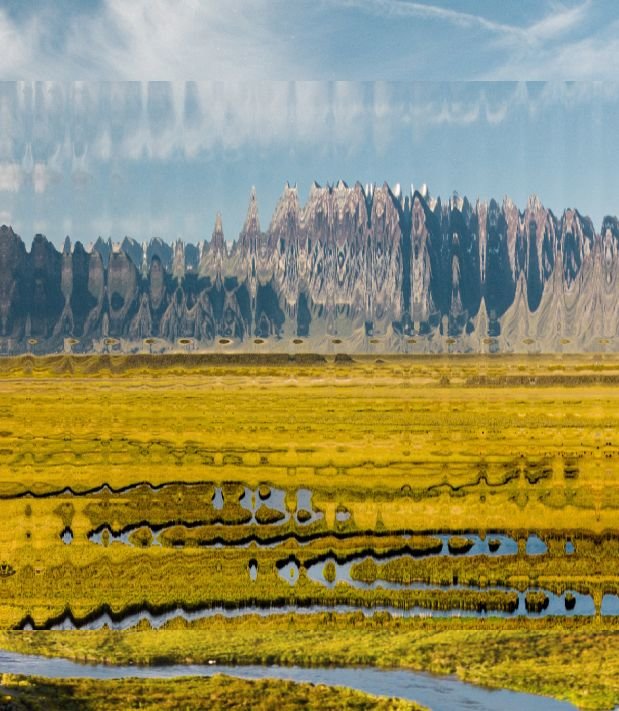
[(550, 46), (160, 121), (594, 56), (158, 39), (558, 21), (258, 39), (10, 177), (398, 9)]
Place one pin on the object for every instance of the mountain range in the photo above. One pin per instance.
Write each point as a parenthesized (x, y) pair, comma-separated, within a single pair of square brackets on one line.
[(355, 269)]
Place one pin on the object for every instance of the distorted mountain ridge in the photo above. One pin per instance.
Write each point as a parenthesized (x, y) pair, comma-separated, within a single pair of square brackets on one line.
[(354, 264)]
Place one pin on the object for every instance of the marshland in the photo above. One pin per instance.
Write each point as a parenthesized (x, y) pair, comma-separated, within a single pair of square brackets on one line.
[(455, 515)]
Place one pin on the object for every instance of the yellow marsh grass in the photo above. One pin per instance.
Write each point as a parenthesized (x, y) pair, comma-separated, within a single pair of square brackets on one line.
[(563, 659), (218, 693), (428, 444)]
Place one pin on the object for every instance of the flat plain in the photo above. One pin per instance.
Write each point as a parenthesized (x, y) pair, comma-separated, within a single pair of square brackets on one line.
[(430, 495)]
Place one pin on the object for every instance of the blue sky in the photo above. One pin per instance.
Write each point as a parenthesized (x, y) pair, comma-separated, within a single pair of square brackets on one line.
[(485, 98)]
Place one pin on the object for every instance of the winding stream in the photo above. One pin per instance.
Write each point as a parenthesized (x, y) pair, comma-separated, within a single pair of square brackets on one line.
[(436, 692)]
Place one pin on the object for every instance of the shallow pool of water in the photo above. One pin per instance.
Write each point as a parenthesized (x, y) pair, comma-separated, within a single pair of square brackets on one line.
[(610, 605), (535, 545), (584, 606)]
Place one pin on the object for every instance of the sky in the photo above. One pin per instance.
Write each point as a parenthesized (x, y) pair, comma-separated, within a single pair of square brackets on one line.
[(146, 118)]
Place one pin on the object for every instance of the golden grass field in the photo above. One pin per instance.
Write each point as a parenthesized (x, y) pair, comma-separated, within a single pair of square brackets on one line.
[(568, 660), (394, 451), (218, 693)]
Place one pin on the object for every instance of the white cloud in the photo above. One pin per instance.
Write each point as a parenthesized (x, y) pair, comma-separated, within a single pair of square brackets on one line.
[(399, 9), (558, 21), (40, 177), (256, 39), (190, 121), (350, 115), (161, 39), (555, 46), (233, 116), (583, 59), (10, 177), (14, 53)]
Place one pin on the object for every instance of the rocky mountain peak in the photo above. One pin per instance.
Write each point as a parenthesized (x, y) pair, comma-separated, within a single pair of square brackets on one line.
[(355, 264)]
